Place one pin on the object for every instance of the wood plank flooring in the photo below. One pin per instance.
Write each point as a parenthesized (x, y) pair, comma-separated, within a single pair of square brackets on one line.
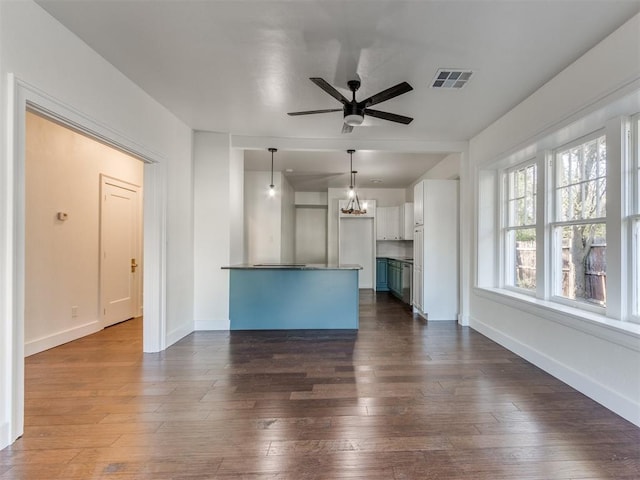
[(400, 399)]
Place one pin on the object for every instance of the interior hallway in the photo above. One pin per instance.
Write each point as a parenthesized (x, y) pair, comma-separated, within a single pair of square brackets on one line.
[(399, 399)]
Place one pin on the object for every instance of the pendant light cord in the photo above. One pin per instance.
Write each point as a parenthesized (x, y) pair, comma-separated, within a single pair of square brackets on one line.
[(272, 150)]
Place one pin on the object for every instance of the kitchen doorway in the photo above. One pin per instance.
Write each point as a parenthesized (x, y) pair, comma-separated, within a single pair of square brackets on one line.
[(311, 234)]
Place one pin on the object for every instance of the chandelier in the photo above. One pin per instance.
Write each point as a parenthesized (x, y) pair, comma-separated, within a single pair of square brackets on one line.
[(353, 206)]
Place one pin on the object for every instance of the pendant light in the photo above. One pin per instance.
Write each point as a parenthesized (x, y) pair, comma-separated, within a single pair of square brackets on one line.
[(353, 206), (272, 187), (352, 192)]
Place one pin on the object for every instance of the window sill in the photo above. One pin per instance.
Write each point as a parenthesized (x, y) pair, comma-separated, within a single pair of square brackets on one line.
[(622, 333)]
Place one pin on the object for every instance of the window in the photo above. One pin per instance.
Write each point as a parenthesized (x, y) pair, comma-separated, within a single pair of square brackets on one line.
[(553, 232), (579, 267), (520, 227)]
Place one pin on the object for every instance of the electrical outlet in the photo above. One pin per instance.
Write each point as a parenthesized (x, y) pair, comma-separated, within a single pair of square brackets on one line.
[(74, 311)]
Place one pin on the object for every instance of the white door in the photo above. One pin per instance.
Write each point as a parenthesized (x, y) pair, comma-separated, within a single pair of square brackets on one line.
[(120, 252)]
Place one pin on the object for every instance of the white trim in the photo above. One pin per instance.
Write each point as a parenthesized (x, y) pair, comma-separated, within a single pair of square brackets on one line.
[(588, 117), (634, 271), (179, 333), (21, 96), (633, 250), (245, 142), (154, 321), (621, 333), (137, 234), (623, 406), (50, 341), (203, 325)]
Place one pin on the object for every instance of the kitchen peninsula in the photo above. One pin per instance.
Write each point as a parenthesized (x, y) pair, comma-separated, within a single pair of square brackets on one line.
[(293, 296)]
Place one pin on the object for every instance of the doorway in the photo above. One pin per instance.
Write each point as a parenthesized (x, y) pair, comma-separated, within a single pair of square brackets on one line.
[(65, 187), (25, 97), (120, 251), (356, 246), (311, 234)]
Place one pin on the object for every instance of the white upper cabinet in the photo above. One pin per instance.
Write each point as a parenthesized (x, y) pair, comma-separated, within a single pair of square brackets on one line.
[(406, 221), (395, 223), (388, 223)]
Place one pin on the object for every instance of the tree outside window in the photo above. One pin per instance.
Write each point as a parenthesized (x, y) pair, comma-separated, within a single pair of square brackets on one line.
[(580, 232), (520, 232)]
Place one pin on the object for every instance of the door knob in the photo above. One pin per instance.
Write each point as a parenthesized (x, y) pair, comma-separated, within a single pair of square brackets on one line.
[(134, 265)]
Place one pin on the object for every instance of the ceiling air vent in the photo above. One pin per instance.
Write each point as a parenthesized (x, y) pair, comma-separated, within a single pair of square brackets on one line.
[(451, 78)]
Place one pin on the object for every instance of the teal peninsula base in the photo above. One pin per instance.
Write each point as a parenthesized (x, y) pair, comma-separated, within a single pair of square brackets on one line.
[(293, 297)]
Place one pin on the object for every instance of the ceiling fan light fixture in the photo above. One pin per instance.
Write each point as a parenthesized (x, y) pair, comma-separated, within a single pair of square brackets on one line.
[(354, 119)]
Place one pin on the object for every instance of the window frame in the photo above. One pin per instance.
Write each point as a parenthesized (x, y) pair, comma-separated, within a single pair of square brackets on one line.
[(507, 254), (620, 217), (634, 218), (555, 225)]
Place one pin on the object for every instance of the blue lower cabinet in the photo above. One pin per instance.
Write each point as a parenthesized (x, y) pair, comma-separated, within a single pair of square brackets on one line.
[(382, 282), (394, 276), (293, 299)]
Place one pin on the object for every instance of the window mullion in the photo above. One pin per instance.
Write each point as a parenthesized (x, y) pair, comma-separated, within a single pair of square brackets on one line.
[(544, 191), (617, 280)]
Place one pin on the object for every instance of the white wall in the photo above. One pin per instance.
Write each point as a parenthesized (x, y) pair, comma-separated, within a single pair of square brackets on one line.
[(63, 171), (270, 222), (215, 224), (600, 361), (263, 217), (449, 168), (311, 234), (311, 198), (53, 63), (394, 248), (384, 197), (236, 207), (288, 223)]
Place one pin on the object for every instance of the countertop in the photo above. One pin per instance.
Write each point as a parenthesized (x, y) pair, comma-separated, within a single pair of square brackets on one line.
[(398, 259), (292, 266)]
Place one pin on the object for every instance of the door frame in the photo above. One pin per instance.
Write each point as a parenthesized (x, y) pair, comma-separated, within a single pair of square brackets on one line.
[(21, 97), (137, 189)]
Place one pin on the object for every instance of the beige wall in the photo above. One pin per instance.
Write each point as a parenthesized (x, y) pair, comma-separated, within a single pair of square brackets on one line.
[(63, 171)]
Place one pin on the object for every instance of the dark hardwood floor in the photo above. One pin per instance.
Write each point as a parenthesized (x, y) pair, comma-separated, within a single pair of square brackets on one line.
[(400, 399)]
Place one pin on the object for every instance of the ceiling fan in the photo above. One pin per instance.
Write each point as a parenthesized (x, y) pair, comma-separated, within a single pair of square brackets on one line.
[(355, 111)]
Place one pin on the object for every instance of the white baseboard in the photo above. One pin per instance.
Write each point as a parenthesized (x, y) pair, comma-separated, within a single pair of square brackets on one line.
[(453, 318), (5, 439), (178, 333), (220, 324), (59, 338), (623, 406)]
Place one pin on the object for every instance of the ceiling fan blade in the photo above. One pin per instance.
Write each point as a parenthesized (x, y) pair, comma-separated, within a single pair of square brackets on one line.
[(324, 85), (311, 112), (387, 94), (392, 117), (347, 128)]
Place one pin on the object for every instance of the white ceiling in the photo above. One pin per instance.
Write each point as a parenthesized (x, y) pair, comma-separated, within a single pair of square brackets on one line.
[(240, 66), (316, 171)]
